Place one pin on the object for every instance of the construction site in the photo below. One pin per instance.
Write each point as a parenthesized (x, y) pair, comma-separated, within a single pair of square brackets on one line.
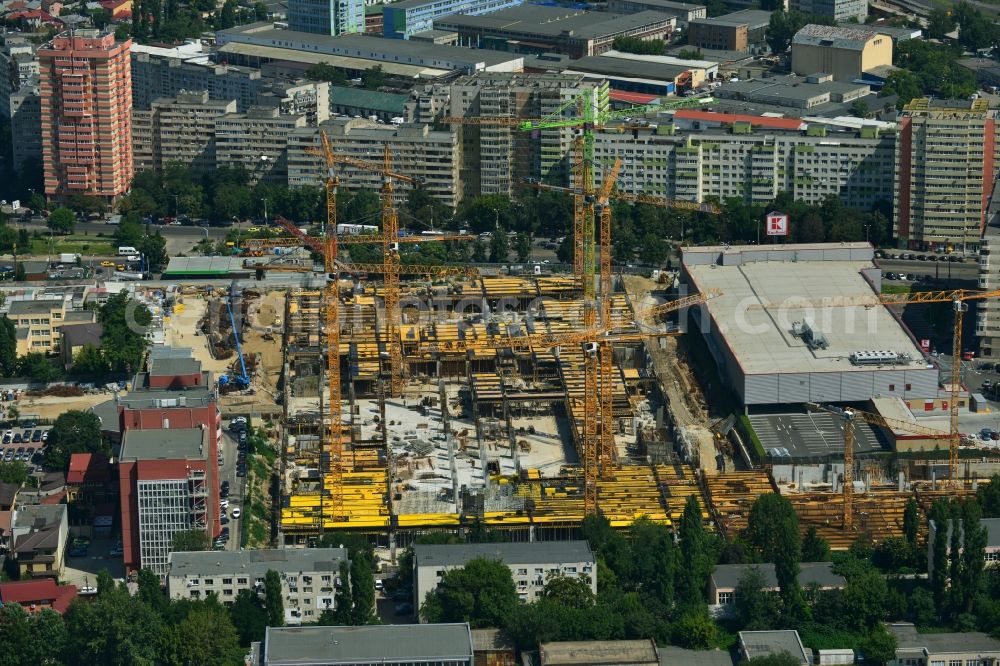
[(449, 398)]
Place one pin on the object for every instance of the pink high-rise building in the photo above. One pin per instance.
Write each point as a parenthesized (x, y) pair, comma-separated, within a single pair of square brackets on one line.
[(86, 91)]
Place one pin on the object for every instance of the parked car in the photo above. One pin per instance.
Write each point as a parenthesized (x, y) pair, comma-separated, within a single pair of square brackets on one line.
[(236, 513), (36, 436), (20, 452)]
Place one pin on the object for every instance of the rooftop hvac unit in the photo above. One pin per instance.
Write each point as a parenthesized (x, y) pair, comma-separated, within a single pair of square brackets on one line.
[(879, 357)]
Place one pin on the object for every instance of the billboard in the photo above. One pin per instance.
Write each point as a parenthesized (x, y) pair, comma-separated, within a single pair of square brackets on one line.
[(777, 224)]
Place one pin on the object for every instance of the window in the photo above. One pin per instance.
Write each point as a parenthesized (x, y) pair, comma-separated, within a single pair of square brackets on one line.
[(955, 662), (725, 598), (227, 581), (227, 592), (209, 581), (522, 572), (241, 581)]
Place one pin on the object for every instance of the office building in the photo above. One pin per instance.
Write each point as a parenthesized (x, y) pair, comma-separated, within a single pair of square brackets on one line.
[(385, 645), (540, 29), (531, 564), (945, 170), (685, 12), (740, 31), (25, 113), (704, 154), (495, 159), (326, 17), (41, 323), (417, 151), (257, 140), (402, 20), (309, 577), (841, 11), (86, 89), (161, 72), (179, 130), (844, 52), (992, 550), (165, 479), (972, 648), (174, 393)]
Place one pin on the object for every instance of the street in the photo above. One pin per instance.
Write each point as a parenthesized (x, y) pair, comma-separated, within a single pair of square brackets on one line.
[(227, 472)]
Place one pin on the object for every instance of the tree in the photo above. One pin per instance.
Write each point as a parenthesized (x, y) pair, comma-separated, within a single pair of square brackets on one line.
[(227, 15), (499, 247), (939, 575), (878, 646), (343, 601), (939, 23), (151, 591), (114, 628), (248, 617), (697, 558), (362, 591), (953, 528), (326, 72), (272, 599), (781, 27), (37, 367), (911, 522), (87, 205), (373, 78), (8, 347), (860, 108), (773, 530), (62, 221), (922, 609), (207, 636), (864, 595), (90, 361), (481, 593), (260, 11), (522, 245), (695, 630), (123, 339), (190, 540), (15, 472), (814, 547), (569, 591), (30, 639), (973, 554), (988, 496), (756, 609), (640, 46), (74, 432)]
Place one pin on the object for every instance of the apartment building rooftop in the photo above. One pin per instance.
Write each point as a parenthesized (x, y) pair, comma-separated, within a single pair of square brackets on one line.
[(422, 643), (34, 307), (962, 108), (140, 397), (819, 573), (595, 653), (907, 638), (509, 553), (170, 366), (165, 444), (256, 562)]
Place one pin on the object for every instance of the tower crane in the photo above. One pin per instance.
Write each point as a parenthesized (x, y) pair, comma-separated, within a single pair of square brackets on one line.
[(850, 416), (958, 299)]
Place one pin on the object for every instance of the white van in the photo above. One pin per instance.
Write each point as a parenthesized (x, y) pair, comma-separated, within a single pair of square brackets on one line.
[(125, 250)]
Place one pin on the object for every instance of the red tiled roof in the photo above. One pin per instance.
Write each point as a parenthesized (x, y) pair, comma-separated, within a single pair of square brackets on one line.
[(631, 97), (714, 116), (78, 464), (27, 592), (87, 468)]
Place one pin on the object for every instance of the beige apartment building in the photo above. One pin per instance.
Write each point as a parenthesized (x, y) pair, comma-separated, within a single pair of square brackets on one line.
[(417, 151), (754, 158), (257, 140), (38, 324), (495, 159), (179, 129), (945, 166), (845, 52)]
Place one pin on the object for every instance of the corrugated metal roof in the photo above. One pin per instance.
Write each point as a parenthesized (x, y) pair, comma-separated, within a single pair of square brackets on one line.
[(854, 38), (729, 118), (368, 99)]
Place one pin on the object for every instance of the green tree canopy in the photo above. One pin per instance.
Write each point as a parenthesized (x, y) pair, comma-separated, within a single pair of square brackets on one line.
[(114, 628), (248, 617), (190, 540), (481, 593), (37, 367), (62, 221), (8, 347), (123, 340), (273, 603), (74, 432)]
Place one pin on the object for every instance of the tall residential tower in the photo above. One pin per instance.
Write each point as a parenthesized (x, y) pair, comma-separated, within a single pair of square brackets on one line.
[(86, 107)]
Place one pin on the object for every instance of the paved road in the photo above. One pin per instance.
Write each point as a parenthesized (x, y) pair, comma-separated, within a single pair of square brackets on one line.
[(236, 489), (967, 270)]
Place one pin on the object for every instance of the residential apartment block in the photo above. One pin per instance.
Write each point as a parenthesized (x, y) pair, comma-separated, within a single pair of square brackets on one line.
[(988, 309), (309, 577), (417, 151), (946, 160), (18, 66), (38, 323), (178, 130), (495, 159), (937, 649), (704, 154), (86, 109), (39, 533), (531, 564), (160, 72), (402, 19), (257, 140), (25, 112), (326, 17)]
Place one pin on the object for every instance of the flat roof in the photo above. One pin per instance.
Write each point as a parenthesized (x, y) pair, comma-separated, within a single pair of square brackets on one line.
[(509, 553), (764, 643), (854, 38), (204, 266), (755, 19), (730, 118), (671, 655), (765, 291), (662, 59), (907, 638), (553, 21), (344, 62), (821, 573), (670, 4), (625, 67), (255, 562), (168, 366), (288, 646), (368, 99), (598, 652), (34, 307), (172, 444)]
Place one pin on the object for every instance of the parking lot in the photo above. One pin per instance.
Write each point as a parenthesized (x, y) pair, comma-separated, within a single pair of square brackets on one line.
[(23, 444), (811, 436)]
